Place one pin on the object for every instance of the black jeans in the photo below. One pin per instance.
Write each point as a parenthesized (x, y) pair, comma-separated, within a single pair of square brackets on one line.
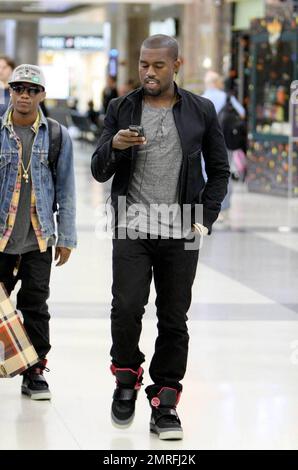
[(34, 273), (173, 268)]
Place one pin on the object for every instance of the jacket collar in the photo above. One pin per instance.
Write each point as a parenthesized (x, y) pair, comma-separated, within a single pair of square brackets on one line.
[(7, 120)]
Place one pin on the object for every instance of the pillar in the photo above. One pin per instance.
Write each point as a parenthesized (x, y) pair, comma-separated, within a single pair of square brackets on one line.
[(26, 42), (205, 39)]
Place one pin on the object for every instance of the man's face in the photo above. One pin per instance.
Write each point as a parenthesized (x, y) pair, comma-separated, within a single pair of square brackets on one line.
[(26, 97), (5, 71), (156, 70)]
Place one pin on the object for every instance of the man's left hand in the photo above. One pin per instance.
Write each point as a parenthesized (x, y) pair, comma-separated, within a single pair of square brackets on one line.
[(200, 229), (62, 254)]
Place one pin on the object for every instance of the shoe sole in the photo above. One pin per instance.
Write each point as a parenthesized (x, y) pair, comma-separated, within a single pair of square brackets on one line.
[(38, 395), (167, 435), (121, 424)]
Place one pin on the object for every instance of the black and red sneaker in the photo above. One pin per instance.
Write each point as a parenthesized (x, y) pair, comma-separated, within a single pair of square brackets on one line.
[(128, 383), (34, 384), (165, 421)]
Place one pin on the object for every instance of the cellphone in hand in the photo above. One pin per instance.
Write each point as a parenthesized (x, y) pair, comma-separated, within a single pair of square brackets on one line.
[(138, 129)]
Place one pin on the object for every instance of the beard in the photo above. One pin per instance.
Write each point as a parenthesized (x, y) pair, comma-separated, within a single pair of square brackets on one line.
[(149, 92)]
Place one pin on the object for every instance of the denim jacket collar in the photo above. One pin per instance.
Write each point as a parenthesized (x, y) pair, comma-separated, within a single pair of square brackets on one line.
[(7, 120)]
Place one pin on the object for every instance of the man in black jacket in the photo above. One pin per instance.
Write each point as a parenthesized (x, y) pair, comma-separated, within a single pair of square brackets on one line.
[(157, 170)]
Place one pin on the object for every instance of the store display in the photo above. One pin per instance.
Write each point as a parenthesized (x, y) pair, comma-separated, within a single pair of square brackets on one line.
[(273, 67)]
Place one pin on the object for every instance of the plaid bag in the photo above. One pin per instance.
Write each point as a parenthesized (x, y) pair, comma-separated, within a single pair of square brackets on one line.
[(16, 350)]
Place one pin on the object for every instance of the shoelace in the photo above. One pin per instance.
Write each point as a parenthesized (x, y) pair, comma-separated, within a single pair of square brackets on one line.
[(170, 419)]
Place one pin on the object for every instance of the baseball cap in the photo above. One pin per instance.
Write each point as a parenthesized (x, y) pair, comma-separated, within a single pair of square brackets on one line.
[(29, 74)]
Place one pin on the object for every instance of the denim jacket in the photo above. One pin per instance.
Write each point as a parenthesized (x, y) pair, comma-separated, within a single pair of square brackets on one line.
[(42, 182)]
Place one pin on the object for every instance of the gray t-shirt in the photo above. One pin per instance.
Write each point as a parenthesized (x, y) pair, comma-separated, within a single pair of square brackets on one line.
[(155, 179), (23, 238)]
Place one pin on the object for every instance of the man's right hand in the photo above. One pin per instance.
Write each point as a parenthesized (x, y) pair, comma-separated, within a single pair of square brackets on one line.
[(126, 138)]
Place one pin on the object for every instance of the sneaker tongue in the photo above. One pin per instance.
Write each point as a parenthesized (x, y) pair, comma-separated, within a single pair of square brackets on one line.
[(125, 377), (167, 397), (170, 419), (37, 371)]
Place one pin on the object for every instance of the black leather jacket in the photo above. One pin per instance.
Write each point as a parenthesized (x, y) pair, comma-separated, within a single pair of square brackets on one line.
[(199, 131)]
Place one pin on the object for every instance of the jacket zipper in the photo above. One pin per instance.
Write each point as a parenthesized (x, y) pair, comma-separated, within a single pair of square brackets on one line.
[(132, 155), (182, 170)]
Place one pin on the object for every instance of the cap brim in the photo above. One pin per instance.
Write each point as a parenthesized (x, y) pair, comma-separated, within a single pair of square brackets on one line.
[(26, 81)]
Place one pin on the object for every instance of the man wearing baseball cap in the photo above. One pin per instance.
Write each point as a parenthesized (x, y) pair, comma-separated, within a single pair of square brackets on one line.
[(27, 226)]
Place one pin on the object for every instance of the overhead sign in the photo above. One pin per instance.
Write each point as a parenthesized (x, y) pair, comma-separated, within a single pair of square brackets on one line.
[(89, 43)]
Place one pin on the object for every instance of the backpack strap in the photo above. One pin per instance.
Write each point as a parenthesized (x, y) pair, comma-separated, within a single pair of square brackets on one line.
[(228, 97), (55, 143)]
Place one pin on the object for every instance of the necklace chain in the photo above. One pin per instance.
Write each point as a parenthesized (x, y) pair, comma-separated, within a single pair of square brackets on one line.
[(25, 174), (171, 104), (25, 171), (160, 128)]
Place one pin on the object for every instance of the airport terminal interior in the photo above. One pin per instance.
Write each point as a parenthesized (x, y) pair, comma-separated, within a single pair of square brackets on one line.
[(241, 389)]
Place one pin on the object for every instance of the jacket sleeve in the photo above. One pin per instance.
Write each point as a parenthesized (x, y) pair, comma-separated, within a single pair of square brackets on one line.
[(105, 160), (65, 193), (217, 169)]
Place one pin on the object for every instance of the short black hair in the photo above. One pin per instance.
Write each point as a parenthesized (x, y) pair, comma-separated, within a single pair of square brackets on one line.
[(159, 41)]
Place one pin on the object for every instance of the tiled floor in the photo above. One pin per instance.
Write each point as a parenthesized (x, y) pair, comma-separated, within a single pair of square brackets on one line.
[(241, 387)]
